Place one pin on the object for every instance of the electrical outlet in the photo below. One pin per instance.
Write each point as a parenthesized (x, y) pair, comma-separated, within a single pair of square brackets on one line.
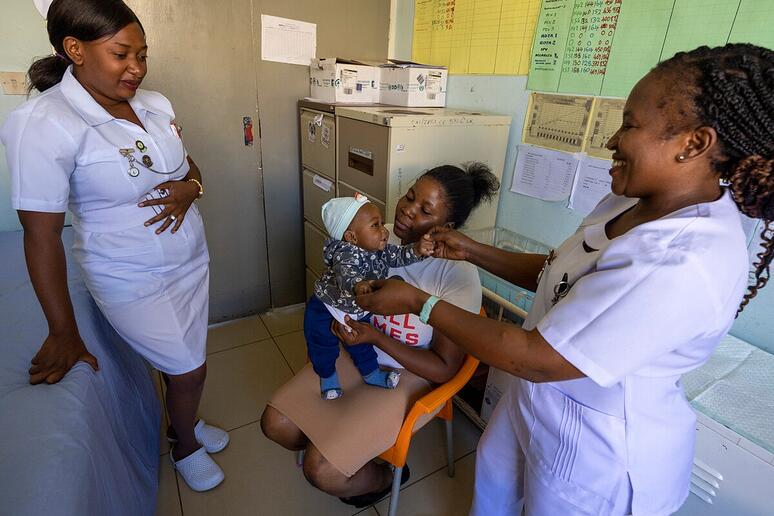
[(14, 83)]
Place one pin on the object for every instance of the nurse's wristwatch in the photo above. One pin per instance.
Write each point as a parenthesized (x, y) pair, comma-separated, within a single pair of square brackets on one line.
[(424, 315), (198, 183)]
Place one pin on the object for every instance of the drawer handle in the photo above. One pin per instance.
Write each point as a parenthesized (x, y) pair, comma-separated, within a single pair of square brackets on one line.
[(322, 183), (361, 160)]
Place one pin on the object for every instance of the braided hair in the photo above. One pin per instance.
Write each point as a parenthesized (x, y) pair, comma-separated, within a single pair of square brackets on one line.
[(731, 89)]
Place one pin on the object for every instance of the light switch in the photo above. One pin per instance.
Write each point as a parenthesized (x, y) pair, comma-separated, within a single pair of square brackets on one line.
[(14, 83)]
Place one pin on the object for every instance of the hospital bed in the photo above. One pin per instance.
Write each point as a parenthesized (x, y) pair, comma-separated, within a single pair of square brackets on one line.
[(88, 444)]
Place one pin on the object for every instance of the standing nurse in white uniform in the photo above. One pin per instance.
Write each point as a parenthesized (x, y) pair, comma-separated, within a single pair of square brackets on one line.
[(95, 143), (638, 296)]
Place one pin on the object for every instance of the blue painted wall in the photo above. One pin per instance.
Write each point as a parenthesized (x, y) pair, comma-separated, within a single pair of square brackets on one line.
[(547, 222)]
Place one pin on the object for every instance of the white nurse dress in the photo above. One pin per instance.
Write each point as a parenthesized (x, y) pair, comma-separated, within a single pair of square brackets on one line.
[(64, 151), (634, 313)]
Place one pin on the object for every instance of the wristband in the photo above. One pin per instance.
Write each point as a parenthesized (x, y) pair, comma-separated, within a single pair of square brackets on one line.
[(424, 315), (201, 188)]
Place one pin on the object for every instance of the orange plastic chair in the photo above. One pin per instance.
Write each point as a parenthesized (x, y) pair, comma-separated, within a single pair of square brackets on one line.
[(440, 397)]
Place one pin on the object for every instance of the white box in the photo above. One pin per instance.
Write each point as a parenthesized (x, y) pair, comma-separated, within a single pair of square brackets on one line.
[(334, 79), (403, 83), (497, 384)]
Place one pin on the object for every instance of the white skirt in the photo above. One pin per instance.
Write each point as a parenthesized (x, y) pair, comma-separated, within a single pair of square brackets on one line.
[(154, 289)]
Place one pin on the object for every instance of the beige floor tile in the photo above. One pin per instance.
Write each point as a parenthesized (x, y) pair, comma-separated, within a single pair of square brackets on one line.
[(240, 382), (284, 320), (261, 479), (168, 502), (427, 453), (438, 495), (235, 333), (293, 347), (164, 444)]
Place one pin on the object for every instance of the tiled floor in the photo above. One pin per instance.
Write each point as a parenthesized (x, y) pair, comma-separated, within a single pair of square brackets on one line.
[(248, 359)]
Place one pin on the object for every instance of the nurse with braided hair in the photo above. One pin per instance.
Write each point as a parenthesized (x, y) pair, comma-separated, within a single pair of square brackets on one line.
[(641, 294)]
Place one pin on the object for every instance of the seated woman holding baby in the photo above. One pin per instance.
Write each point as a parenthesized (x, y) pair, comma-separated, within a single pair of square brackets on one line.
[(342, 433)]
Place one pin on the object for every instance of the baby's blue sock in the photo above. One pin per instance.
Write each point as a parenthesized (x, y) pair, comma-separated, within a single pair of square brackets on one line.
[(379, 378), (330, 389)]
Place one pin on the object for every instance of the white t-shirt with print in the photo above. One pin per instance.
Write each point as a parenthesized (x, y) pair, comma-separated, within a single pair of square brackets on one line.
[(455, 282)]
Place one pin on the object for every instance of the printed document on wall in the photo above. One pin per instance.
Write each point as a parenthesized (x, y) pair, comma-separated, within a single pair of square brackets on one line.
[(592, 183), (543, 173), (288, 41)]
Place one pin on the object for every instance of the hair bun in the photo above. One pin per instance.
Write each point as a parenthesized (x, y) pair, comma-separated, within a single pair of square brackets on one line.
[(485, 183)]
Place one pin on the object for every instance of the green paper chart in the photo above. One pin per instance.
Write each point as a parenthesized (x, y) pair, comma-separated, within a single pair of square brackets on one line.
[(603, 47)]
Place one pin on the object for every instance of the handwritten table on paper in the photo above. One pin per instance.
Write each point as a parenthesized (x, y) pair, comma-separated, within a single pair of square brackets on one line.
[(603, 47), (543, 173)]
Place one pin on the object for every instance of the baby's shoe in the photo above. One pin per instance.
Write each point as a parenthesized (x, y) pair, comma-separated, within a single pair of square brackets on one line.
[(380, 378), (330, 388)]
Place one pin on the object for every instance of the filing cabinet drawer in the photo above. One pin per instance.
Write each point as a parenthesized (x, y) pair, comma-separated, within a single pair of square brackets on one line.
[(311, 277), (363, 156), (318, 142), (317, 191), (314, 239), (347, 191)]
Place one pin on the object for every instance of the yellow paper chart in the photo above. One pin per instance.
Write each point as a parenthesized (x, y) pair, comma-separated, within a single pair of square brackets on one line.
[(488, 37), (606, 118), (557, 121)]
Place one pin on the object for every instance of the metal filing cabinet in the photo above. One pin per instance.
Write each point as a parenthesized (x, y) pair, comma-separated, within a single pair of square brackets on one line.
[(317, 126), (318, 137), (381, 150)]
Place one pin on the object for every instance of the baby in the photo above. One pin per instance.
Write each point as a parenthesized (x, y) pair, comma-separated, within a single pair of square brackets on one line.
[(356, 252)]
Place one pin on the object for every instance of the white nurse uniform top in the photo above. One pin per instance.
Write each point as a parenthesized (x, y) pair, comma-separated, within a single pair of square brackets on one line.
[(637, 312), (63, 151)]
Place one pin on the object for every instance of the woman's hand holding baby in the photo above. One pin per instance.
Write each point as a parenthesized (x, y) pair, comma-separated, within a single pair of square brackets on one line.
[(362, 287), (362, 332)]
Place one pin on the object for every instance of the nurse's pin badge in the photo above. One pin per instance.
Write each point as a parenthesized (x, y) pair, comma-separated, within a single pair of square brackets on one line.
[(147, 161), (140, 146), (134, 171)]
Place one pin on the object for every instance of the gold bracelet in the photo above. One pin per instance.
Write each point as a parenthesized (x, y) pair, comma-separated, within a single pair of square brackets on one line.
[(201, 188)]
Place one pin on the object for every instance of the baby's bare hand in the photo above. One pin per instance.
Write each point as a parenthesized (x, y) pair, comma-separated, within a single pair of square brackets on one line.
[(364, 287), (425, 246)]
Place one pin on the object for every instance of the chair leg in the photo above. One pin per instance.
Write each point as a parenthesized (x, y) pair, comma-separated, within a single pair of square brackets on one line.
[(300, 458), (449, 448), (395, 491)]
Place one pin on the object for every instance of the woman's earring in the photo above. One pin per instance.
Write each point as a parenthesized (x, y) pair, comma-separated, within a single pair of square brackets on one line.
[(681, 158)]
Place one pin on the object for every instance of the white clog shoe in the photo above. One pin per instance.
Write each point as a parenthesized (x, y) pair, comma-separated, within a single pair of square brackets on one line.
[(211, 437), (199, 471)]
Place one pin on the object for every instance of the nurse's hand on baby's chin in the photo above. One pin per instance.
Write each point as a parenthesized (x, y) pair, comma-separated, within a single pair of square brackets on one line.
[(392, 297), (181, 195), (450, 244)]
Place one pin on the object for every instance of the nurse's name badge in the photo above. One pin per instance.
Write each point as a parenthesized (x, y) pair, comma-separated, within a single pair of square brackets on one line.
[(147, 161)]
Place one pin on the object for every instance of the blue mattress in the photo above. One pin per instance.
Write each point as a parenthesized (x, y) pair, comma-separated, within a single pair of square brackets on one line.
[(88, 444)]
